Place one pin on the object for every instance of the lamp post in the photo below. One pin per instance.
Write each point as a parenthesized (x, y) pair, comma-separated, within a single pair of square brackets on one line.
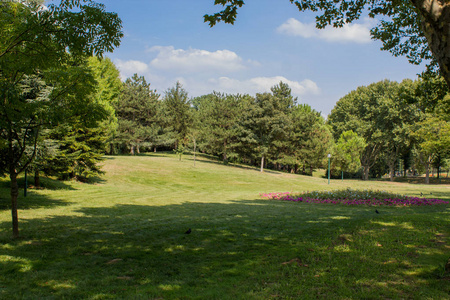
[(329, 159)]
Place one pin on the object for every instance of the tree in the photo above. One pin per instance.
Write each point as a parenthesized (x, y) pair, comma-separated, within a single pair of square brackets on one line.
[(347, 151), (419, 29), (80, 149), (433, 140), (74, 149), (401, 113), (137, 112), (217, 116), (366, 111), (109, 87), (311, 138), (177, 116), (269, 121), (47, 47)]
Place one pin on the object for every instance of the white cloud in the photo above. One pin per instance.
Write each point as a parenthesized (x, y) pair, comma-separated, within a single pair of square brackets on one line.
[(129, 67), (196, 60), (262, 84), (200, 83), (358, 33)]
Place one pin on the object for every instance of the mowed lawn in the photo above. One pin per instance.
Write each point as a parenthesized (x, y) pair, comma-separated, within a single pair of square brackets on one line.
[(124, 237)]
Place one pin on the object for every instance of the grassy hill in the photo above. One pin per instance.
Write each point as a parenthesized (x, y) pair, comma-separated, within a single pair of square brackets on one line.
[(124, 237)]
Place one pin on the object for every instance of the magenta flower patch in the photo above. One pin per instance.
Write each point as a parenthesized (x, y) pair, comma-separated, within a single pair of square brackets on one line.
[(354, 197)]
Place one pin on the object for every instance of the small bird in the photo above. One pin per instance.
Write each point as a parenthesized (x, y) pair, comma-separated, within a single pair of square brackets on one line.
[(376, 210), (188, 231), (421, 194)]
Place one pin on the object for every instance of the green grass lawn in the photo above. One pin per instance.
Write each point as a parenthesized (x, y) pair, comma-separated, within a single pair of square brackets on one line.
[(123, 237)]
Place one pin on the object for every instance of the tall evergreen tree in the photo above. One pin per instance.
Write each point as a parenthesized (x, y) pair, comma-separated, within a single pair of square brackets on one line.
[(137, 112), (217, 115), (177, 117)]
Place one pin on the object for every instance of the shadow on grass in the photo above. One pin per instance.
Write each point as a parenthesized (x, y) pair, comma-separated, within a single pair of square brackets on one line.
[(419, 180), (32, 200), (244, 249), (243, 167), (46, 183), (149, 154)]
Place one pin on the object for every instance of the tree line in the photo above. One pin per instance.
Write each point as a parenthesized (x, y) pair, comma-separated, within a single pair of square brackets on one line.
[(382, 128)]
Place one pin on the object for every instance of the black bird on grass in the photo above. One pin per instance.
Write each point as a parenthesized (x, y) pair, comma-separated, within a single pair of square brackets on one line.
[(188, 231), (376, 210)]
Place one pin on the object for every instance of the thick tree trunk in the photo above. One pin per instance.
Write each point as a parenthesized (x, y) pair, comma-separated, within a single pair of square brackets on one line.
[(262, 163), (436, 27), (132, 150), (366, 172), (14, 196), (37, 179)]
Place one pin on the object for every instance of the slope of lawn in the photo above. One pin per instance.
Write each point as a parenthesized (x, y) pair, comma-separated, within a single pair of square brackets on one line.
[(124, 237)]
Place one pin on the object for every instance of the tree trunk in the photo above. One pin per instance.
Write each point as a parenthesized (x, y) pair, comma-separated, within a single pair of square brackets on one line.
[(435, 15), (195, 148), (262, 163), (427, 173), (391, 172), (225, 158), (138, 150), (366, 172), (154, 150), (37, 179), (132, 150), (14, 196)]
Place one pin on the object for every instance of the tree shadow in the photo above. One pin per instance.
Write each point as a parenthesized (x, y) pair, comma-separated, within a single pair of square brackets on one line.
[(243, 167), (33, 200), (419, 180), (236, 249)]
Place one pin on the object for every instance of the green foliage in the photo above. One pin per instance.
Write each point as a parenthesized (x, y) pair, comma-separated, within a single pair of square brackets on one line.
[(177, 114), (270, 127), (380, 114), (43, 76), (81, 149), (217, 116), (138, 113), (346, 152), (109, 87), (310, 138), (433, 141)]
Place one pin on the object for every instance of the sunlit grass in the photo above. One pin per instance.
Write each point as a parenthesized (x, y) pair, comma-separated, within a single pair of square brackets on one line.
[(124, 237)]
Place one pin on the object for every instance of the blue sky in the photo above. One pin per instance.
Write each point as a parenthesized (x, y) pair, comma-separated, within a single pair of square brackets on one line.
[(167, 41)]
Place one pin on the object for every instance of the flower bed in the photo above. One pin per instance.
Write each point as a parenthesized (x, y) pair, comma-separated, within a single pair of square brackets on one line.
[(354, 197)]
